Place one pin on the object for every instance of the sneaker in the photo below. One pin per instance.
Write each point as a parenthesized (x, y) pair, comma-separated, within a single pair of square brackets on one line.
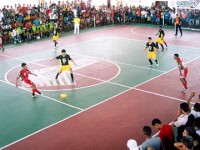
[(184, 90), (175, 34), (73, 82), (163, 50), (150, 65), (33, 95), (2, 49), (157, 64)]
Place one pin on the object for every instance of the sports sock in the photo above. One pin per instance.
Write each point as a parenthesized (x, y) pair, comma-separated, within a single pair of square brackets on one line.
[(156, 61), (72, 77), (57, 75), (185, 85), (165, 44), (151, 63)]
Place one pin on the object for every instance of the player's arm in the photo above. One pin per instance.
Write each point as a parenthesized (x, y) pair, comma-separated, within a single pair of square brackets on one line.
[(55, 58), (73, 61), (157, 34), (17, 79), (29, 72), (190, 98), (146, 47)]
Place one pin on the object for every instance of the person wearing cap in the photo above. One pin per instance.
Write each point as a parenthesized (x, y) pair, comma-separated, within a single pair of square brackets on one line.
[(132, 145), (64, 64), (76, 25), (151, 46), (150, 142)]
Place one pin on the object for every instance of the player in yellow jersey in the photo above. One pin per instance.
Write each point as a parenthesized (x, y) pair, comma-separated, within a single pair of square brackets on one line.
[(151, 46)]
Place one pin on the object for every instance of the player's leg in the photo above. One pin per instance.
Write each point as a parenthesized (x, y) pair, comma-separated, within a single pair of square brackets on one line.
[(180, 30), (35, 90), (176, 30), (149, 58), (165, 43), (72, 75), (162, 46), (59, 72), (155, 58)]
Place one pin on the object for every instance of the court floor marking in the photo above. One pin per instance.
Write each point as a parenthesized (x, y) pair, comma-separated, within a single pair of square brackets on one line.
[(132, 30), (42, 95), (129, 87), (92, 106), (166, 38), (32, 62)]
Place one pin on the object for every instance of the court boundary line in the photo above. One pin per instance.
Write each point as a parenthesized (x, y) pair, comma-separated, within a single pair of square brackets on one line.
[(104, 81), (154, 35), (12, 143), (144, 35), (97, 104), (42, 95), (32, 62)]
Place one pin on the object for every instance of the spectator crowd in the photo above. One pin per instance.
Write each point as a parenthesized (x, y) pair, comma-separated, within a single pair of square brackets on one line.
[(182, 134), (25, 22)]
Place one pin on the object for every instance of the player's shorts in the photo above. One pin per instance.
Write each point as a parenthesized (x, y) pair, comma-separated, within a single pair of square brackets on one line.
[(55, 38), (28, 82), (65, 68), (160, 41), (185, 72), (151, 55)]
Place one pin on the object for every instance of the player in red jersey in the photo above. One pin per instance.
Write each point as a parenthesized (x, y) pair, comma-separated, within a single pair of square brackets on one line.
[(24, 73), (183, 71)]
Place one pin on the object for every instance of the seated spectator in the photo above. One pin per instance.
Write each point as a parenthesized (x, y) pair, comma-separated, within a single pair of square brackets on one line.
[(197, 125), (187, 143), (166, 134), (183, 119), (150, 142), (132, 145), (15, 36), (189, 131)]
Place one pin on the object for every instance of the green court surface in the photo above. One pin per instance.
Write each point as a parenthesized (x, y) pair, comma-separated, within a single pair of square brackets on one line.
[(21, 115)]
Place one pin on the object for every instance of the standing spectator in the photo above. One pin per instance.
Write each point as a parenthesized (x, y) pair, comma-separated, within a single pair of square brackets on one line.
[(178, 25), (1, 17), (167, 17), (76, 25), (166, 134), (197, 125), (15, 36), (183, 119), (1, 42), (132, 145), (150, 142), (172, 17)]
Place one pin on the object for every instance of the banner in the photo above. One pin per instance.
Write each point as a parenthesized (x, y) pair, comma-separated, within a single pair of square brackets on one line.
[(188, 3)]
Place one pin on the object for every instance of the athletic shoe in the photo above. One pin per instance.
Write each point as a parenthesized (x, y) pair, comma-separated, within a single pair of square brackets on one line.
[(73, 82), (184, 90), (157, 64), (150, 65), (33, 95), (163, 50), (2, 49), (175, 34)]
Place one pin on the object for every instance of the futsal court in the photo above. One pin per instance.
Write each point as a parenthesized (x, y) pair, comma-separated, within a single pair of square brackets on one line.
[(115, 95)]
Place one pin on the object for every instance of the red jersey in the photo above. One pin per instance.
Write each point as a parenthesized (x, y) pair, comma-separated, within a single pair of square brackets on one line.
[(180, 63), (167, 136), (24, 74)]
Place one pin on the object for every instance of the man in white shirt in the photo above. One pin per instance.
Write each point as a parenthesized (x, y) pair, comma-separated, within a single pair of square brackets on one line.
[(15, 36), (1, 17)]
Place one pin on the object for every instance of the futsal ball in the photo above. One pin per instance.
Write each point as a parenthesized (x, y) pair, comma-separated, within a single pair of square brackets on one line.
[(63, 95)]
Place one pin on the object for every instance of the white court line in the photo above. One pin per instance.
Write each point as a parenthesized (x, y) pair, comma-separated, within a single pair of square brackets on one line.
[(55, 100), (132, 30), (156, 37), (161, 95), (32, 62), (137, 66), (90, 107)]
